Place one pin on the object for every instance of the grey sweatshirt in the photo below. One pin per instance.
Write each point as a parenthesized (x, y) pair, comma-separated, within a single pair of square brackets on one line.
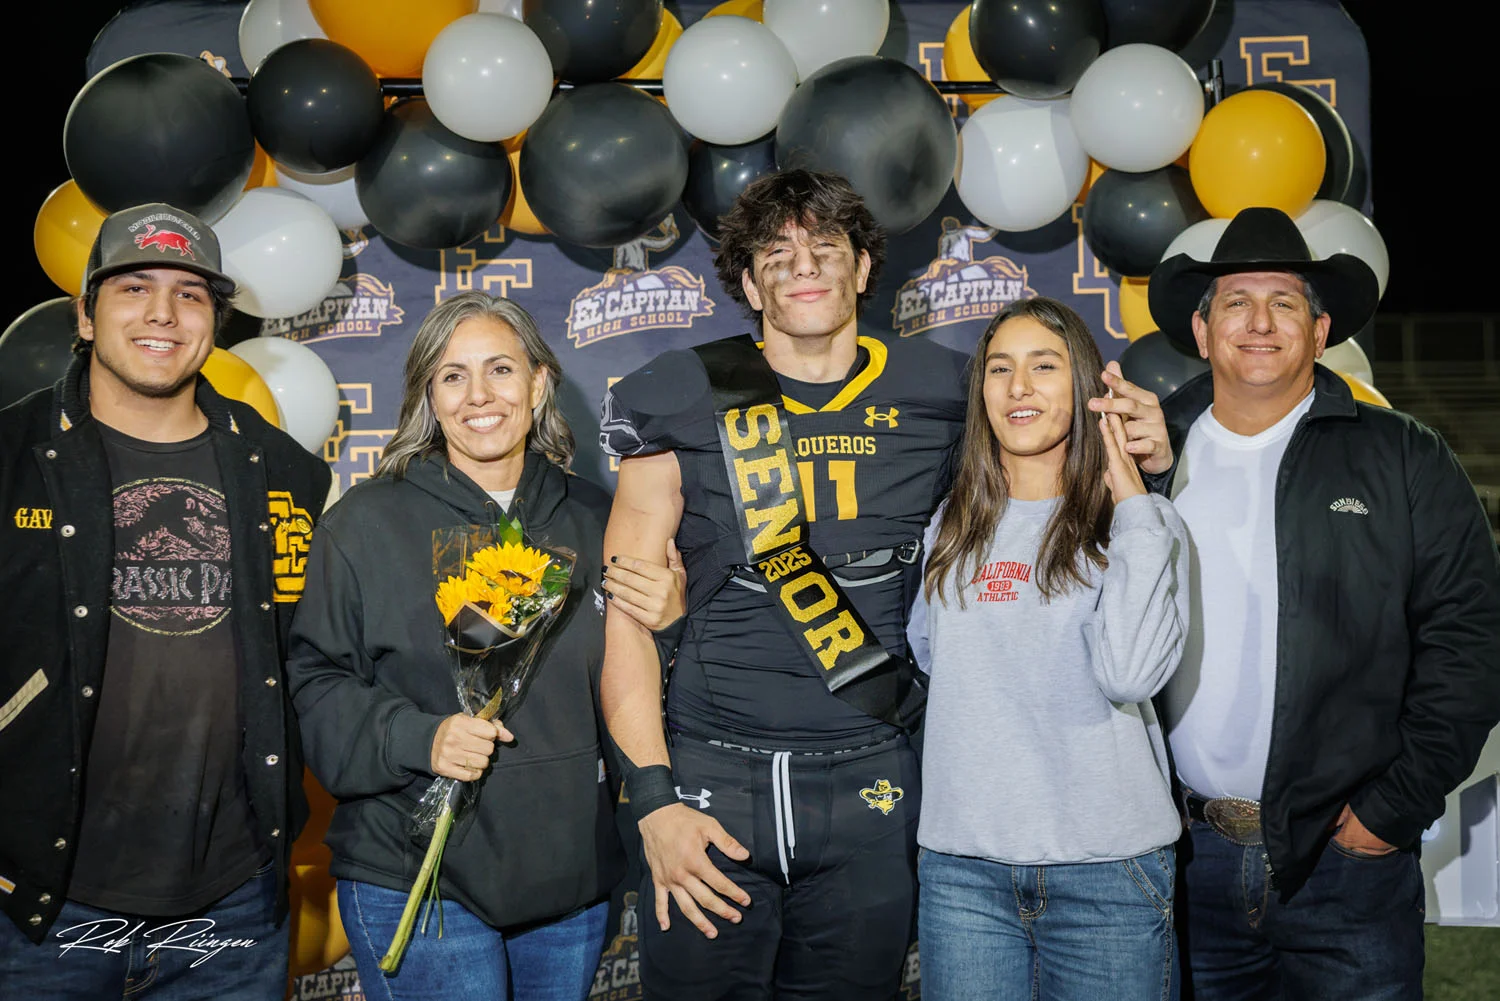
[(1041, 742)]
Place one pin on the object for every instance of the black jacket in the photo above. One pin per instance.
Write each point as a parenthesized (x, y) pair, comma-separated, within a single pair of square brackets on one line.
[(1388, 624), (371, 681), (56, 560)]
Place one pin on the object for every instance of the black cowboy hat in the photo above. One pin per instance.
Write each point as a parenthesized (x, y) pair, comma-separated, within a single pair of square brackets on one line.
[(1263, 239)]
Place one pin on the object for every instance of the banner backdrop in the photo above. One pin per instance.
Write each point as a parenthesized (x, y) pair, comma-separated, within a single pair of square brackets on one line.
[(606, 312)]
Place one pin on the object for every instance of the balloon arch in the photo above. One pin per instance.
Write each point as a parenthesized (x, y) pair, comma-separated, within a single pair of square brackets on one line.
[(362, 159)]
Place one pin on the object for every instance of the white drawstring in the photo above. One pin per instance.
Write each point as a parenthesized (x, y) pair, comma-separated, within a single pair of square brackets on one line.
[(781, 795)]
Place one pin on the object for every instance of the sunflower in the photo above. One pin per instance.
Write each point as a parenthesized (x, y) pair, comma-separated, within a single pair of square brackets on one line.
[(451, 595), (511, 569), (499, 607)]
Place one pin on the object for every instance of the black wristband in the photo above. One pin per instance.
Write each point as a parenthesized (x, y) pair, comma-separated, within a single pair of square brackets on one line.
[(650, 788)]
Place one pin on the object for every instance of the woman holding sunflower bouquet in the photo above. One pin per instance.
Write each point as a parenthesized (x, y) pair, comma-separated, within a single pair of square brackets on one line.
[(525, 872)]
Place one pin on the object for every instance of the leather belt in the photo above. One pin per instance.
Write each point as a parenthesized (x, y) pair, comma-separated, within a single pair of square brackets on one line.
[(1236, 819)]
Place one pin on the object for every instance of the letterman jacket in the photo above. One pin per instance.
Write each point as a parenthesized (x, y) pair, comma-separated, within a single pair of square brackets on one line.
[(56, 538)]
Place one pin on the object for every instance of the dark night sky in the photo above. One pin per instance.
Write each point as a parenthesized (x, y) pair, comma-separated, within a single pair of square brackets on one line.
[(1426, 162)]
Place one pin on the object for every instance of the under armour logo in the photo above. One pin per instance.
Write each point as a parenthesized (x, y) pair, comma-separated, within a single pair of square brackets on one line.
[(1349, 505), (701, 798), (872, 415)]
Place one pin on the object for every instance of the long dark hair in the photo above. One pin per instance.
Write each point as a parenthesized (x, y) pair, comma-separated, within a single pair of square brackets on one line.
[(1080, 525)]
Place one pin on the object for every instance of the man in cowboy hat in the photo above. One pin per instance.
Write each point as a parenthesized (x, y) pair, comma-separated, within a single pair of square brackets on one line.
[(1342, 668)]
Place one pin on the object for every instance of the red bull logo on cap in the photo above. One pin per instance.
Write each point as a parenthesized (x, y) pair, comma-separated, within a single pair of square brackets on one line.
[(165, 240)]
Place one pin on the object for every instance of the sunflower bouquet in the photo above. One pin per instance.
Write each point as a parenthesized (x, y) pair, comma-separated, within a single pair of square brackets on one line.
[(496, 595)]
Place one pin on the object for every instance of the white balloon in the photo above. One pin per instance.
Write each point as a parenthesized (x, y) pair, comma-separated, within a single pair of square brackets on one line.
[(267, 25), (1331, 227), (1019, 163), (487, 77), (1137, 107), (334, 191), (282, 250), (817, 32), (727, 79), (305, 389), (1198, 240), (509, 8), (1350, 359)]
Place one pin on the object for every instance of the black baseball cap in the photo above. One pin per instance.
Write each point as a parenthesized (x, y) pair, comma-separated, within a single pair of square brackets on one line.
[(156, 235)]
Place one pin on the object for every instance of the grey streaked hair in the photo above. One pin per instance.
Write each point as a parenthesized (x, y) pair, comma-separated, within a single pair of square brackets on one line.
[(1314, 304), (418, 432)]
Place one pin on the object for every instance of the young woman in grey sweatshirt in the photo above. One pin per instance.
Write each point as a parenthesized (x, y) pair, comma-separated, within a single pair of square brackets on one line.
[(1054, 607)]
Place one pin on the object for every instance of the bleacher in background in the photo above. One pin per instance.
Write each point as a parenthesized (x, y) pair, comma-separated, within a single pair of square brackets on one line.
[(1445, 370)]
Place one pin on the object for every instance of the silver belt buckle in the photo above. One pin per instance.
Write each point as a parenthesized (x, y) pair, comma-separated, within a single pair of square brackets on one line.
[(1235, 818)]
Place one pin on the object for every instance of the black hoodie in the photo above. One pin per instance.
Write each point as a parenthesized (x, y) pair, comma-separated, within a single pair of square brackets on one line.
[(371, 681)]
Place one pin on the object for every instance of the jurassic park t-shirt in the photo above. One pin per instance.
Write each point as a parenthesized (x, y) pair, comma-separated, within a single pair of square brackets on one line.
[(166, 823)]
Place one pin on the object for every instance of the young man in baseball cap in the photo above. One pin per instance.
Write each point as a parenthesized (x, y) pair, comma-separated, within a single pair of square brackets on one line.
[(152, 538)]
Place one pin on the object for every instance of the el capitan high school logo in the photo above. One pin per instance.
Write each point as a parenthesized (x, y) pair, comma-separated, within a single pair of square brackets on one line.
[(955, 287), (634, 297), (360, 305)]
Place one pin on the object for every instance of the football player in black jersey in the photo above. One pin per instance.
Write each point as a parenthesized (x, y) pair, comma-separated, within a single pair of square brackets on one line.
[(777, 784)]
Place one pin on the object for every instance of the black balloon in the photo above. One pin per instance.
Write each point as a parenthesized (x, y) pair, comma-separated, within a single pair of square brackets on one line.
[(603, 165), (1172, 25), (423, 186), (1130, 219), (160, 127), (717, 175), (1155, 363), (1338, 167), (880, 124), (590, 41), (36, 348), (1036, 48), (315, 105)]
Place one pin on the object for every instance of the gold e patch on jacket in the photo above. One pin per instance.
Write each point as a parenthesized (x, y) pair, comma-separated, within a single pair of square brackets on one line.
[(291, 528), (883, 796)]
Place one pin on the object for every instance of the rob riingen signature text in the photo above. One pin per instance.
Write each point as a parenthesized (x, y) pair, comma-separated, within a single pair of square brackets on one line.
[(191, 935)]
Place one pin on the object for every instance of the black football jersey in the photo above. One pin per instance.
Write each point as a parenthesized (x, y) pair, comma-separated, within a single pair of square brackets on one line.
[(873, 456)]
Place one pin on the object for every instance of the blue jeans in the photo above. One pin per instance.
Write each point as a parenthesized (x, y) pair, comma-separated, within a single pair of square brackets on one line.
[(90, 954), (1354, 931), (988, 931), (546, 962)]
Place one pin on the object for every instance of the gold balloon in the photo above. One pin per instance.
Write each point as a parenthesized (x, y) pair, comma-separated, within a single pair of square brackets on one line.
[(1096, 169), (318, 939), (263, 173), (1257, 147), (317, 935), (1364, 392), (234, 378), (1135, 312), (391, 35), (753, 9), (961, 65), (63, 234), (654, 62), (517, 214)]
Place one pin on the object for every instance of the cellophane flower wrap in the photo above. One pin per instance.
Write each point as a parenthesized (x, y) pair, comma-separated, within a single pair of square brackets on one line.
[(496, 595)]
